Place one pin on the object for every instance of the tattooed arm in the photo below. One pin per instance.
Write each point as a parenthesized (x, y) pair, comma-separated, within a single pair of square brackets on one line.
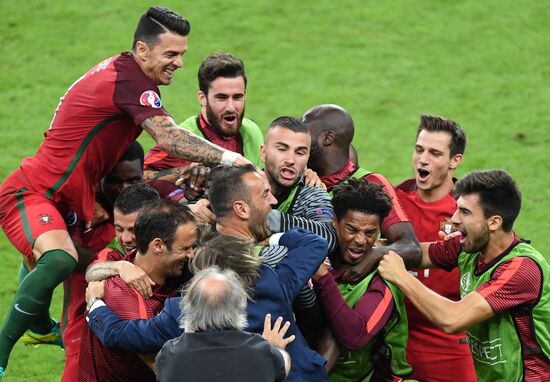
[(131, 274), (183, 144)]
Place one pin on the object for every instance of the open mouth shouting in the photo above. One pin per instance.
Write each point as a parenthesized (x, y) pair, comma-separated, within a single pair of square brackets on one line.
[(422, 175), (287, 173)]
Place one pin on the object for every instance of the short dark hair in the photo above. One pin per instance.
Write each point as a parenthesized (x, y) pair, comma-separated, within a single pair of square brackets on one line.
[(437, 123), (362, 196), (156, 21), (498, 194), (133, 197), (290, 123), (226, 185), (133, 152), (217, 65), (160, 219)]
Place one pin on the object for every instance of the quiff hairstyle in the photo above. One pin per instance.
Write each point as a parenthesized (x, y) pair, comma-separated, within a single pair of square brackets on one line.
[(498, 194), (156, 21), (436, 123), (362, 196), (218, 65)]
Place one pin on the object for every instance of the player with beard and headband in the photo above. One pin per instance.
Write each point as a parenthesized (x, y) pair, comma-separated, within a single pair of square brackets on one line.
[(429, 203), (505, 298), (222, 96)]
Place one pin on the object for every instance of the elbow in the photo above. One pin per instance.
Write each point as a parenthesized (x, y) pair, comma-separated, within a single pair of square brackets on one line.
[(452, 326)]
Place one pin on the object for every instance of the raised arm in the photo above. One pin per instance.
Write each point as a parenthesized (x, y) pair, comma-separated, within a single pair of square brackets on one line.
[(129, 273), (181, 143)]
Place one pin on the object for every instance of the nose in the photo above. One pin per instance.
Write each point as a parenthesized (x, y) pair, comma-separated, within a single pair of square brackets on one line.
[(424, 157), (178, 62), (272, 199), (360, 238), (127, 237), (455, 219)]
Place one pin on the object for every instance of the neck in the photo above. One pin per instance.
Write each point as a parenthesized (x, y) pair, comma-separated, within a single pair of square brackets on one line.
[(331, 163), (234, 229), (437, 193), (498, 243), (148, 265)]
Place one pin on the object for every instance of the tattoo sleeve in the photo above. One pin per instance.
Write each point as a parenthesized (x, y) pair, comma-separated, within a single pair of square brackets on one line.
[(180, 142)]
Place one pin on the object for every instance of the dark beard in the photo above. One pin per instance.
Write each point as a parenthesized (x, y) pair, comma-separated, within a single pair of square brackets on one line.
[(314, 156), (480, 245), (213, 120)]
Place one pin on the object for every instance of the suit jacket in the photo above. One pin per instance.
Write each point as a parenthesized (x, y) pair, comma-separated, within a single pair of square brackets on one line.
[(274, 293)]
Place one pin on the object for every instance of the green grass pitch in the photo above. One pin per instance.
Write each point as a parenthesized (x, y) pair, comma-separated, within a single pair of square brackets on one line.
[(479, 63)]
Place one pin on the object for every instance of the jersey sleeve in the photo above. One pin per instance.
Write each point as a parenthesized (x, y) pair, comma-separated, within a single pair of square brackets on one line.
[(397, 214), (514, 283), (444, 254), (136, 94), (124, 301), (355, 327)]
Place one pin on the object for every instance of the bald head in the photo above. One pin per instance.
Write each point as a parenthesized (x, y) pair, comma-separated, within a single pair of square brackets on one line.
[(322, 118), (331, 129), (214, 299)]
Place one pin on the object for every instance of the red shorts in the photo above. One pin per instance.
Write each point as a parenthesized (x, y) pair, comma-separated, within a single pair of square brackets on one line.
[(26, 214), (70, 372)]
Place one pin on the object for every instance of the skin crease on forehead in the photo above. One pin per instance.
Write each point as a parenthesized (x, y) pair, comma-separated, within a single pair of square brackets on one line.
[(285, 155), (163, 58), (357, 232), (224, 105)]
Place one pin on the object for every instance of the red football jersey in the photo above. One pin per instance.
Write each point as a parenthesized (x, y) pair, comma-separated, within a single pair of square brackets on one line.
[(95, 122), (426, 219), (99, 363)]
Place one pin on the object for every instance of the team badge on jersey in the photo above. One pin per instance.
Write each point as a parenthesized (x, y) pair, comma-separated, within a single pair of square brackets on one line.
[(150, 98), (45, 219)]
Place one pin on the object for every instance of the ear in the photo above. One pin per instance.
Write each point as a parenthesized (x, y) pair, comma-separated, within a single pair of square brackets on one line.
[(262, 153), (141, 50), (494, 223), (334, 222), (455, 161), (202, 98), (241, 209), (328, 138), (156, 246)]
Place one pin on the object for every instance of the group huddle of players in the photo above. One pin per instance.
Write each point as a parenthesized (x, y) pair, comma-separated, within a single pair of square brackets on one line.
[(75, 211)]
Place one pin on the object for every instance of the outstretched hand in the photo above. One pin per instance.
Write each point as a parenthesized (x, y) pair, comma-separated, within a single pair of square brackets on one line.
[(275, 335)]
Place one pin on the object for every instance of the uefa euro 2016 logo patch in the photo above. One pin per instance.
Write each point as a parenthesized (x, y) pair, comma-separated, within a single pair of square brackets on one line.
[(150, 98)]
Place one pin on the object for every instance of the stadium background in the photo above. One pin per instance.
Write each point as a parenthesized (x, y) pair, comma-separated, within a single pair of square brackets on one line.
[(482, 64)]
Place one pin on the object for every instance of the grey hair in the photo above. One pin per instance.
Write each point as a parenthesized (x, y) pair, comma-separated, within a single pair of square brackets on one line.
[(214, 299)]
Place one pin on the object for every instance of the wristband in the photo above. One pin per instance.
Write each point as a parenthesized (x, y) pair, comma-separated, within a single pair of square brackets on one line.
[(228, 158)]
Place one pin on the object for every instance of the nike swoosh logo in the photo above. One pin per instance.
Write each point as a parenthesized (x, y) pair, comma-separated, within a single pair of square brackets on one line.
[(16, 306)]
